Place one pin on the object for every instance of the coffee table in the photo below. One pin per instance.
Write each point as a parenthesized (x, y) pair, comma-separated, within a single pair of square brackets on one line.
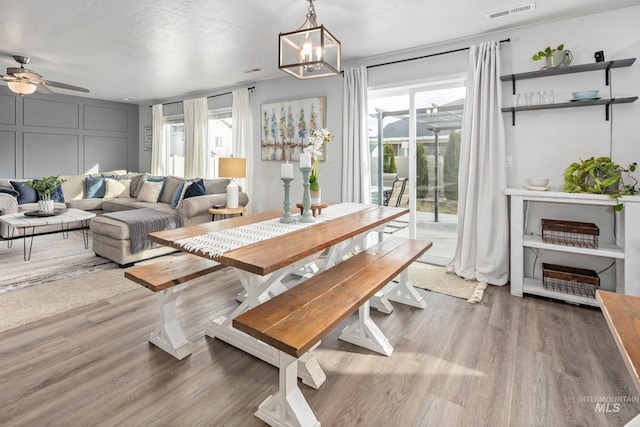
[(64, 218)]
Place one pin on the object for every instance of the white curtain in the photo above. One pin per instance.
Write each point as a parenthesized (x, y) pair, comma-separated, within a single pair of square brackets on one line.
[(482, 251), (356, 173), (196, 138), (242, 140), (159, 147)]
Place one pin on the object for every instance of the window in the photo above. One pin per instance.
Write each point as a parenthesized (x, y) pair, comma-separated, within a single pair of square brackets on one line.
[(220, 142)]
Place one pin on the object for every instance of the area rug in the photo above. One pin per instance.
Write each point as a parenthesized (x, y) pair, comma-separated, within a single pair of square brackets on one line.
[(53, 258), (39, 302), (436, 279)]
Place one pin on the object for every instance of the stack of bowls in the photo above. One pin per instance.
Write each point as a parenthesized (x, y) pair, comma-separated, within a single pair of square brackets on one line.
[(585, 95)]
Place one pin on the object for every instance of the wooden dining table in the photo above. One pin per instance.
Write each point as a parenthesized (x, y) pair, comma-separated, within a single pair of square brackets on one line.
[(262, 267)]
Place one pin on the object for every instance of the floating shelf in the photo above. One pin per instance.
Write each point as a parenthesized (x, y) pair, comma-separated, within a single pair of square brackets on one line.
[(605, 102), (569, 70)]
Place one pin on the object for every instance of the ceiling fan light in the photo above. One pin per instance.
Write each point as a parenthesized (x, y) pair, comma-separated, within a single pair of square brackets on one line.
[(309, 52), (22, 88)]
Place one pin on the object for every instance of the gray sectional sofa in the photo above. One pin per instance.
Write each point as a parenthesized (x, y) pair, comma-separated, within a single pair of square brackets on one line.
[(111, 237)]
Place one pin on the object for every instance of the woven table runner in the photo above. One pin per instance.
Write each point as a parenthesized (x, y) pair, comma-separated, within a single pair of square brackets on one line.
[(216, 243)]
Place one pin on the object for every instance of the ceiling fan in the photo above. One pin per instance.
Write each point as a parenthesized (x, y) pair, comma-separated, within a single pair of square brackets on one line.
[(25, 82)]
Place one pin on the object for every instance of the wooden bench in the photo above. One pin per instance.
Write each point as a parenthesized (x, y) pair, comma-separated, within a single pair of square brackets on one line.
[(167, 278), (296, 320)]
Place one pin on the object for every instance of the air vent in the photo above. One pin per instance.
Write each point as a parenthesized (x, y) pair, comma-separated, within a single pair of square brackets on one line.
[(251, 70), (513, 11)]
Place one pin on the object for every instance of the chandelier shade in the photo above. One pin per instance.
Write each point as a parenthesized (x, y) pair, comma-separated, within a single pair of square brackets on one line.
[(311, 51)]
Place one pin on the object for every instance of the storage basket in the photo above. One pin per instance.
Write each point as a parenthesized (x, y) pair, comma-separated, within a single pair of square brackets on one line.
[(570, 280), (570, 233)]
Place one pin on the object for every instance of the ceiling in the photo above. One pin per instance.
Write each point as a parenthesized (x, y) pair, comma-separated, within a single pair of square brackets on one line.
[(156, 50)]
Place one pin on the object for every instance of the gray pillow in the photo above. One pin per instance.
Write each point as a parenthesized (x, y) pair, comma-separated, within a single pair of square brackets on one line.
[(216, 186)]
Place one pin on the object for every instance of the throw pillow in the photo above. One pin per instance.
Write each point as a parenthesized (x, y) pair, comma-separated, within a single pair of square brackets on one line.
[(195, 189), (170, 186), (9, 191), (57, 195), (161, 179), (127, 186), (150, 192), (114, 188), (178, 195), (27, 194), (216, 186), (95, 188)]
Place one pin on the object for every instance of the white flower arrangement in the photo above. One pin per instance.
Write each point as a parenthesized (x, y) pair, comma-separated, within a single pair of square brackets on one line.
[(317, 139)]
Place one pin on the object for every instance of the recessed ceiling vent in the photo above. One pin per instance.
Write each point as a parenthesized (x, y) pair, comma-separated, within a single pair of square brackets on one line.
[(512, 11)]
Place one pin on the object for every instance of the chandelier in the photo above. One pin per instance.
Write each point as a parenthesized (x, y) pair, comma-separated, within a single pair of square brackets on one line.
[(310, 51)]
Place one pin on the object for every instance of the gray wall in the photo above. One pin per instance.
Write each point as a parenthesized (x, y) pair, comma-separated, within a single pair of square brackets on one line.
[(65, 135)]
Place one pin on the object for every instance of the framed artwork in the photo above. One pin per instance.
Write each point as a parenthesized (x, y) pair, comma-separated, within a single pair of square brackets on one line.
[(148, 139), (287, 125)]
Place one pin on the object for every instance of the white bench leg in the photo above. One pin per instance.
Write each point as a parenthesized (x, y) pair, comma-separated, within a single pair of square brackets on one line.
[(169, 335), (365, 333), (401, 292), (288, 407)]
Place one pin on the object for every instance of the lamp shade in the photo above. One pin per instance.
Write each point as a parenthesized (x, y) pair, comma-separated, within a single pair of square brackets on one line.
[(22, 88), (232, 167)]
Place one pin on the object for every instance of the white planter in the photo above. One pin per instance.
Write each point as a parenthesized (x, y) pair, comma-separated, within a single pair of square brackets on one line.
[(316, 198), (45, 205)]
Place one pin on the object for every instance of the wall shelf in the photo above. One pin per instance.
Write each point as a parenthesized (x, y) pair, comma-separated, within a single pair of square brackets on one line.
[(608, 65), (605, 102)]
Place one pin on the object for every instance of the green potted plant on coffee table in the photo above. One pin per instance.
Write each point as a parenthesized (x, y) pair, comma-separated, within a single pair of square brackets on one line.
[(45, 186)]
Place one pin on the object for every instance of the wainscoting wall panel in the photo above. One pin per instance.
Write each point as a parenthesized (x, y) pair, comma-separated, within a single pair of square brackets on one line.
[(8, 156), (106, 119), (7, 110), (59, 134), (49, 113), (103, 153), (42, 154)]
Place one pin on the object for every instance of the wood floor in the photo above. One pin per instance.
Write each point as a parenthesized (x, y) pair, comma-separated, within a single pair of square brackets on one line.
[(504, 362)]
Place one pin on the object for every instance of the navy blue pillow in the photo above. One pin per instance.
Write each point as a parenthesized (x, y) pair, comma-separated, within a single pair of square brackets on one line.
[(9, 191), (27, 194), (57, 195), (195, 189)]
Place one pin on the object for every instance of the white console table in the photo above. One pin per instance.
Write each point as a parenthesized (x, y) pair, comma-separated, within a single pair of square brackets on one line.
[(624, 248)]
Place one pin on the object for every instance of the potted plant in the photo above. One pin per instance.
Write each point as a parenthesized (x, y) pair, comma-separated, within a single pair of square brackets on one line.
[(554, 58), (600, 176), (45, 186), (318, 139)]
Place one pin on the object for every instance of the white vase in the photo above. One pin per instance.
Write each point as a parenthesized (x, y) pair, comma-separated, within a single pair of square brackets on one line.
[(45, 204), (316, 198)]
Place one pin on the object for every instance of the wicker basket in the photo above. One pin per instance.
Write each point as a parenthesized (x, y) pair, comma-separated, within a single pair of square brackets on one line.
[(570, 280), (570, 233)]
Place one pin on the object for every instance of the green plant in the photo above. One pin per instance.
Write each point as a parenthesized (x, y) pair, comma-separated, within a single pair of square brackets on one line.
[(600, 176), (389, 159), (544, 53), (46, 185)]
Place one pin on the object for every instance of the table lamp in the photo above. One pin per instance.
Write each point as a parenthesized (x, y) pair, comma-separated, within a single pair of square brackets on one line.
[(231, 167)]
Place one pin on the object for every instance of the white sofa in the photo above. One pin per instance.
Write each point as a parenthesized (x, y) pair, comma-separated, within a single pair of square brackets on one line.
[(110, 237)]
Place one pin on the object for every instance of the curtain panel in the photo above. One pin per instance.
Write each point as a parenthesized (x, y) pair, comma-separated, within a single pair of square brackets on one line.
[(159, 147), (482, 251), (241, 135), (196, 138), (356, 171)]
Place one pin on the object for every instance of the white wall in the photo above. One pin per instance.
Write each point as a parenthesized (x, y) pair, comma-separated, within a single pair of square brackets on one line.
[(541, 144)]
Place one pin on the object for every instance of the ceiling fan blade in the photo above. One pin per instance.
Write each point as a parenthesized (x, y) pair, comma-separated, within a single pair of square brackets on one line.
[(43, 89), (64, 86)]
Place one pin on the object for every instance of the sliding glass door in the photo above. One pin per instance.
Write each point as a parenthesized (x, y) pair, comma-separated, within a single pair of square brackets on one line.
[(415, 140)]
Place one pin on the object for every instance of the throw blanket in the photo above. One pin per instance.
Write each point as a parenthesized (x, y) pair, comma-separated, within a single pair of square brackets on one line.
[(144, 221)]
